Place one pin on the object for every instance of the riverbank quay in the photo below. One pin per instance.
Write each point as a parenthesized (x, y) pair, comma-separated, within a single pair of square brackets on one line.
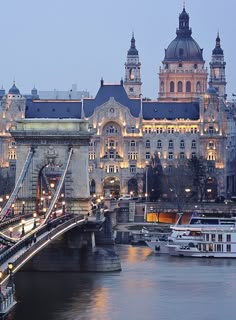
[(133, 233), (131, 216), (167, 212)]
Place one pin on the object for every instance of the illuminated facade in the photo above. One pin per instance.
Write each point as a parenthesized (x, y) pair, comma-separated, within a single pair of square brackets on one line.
[(187, 119)]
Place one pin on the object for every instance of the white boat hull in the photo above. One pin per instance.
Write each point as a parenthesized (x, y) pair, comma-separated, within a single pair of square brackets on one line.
[(196, 253)]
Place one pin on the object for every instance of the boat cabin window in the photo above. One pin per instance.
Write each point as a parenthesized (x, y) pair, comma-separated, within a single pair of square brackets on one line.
[(228, 237), (228, 247), (209, 220), (213, 237), (220, 237), (207, 237)]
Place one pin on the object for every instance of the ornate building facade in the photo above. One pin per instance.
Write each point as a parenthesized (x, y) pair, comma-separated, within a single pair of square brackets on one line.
[(188, 119)]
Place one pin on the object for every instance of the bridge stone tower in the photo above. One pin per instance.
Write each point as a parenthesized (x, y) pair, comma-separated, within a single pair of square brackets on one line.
[(51, 140)]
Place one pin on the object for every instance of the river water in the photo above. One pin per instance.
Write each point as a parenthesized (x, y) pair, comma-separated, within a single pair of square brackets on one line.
[(149, 287)]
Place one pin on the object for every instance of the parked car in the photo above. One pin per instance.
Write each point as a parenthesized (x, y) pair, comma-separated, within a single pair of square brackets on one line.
[(125, 197)]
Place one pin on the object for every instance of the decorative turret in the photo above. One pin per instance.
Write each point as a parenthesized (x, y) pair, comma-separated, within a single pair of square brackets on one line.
[(132, 81), (14, 90), (184, 29), (217, 69)]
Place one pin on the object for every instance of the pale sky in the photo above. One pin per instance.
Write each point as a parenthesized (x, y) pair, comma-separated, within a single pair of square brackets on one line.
[(54, 43)]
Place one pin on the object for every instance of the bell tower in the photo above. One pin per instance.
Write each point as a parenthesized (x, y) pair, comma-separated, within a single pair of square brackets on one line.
[(217, 69), (132, 81)]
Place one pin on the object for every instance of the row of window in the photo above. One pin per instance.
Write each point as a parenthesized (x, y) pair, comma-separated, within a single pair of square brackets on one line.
[(171, 144), (213, 237), (188, 86), (181, 156), (132, 144), (160, 130)]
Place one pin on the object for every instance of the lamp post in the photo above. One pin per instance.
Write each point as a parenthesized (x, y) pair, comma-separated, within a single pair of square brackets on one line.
[(146, 182), (23, 228), (10, 232), (10, 267), (63, 207), (44, 212), (12, 209), (35, 222)]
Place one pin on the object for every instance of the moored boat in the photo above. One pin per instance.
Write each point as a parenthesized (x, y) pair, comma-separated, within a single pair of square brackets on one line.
[(187, 234), (217, 242)]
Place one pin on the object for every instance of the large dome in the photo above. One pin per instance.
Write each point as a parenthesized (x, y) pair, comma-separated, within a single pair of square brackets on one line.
[(183, 47)]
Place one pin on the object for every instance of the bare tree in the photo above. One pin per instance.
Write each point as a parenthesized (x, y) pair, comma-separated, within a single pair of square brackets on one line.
[(179, 183), (198, 170)]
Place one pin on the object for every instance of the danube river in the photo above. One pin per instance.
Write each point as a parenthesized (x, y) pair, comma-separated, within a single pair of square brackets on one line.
[(149, 287)]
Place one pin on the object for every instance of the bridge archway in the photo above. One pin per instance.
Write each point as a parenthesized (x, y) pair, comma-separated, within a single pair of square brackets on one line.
[(51, 140)]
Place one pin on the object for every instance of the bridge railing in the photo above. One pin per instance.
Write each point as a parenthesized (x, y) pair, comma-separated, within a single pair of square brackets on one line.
[(33, 248), (48, 229)]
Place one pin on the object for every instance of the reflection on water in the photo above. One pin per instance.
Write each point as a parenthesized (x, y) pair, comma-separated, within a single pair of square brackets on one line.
[(150, 287)]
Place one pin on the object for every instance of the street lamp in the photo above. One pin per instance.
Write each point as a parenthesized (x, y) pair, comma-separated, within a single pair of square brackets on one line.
[(23, 228), (35, 222), (146, 192), (23, 207), (63, 207), (10, 267), (10, 232)]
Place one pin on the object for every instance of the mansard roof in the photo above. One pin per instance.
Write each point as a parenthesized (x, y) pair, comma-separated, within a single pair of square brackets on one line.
[(108, 91), (53, 109), (170, 110), (72, 109)]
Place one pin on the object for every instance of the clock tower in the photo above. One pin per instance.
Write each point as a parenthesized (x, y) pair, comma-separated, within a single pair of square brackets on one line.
[(217, 69), (132, 81)]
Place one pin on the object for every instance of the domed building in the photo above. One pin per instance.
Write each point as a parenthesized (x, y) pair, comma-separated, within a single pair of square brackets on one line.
[(183, 76), (188, 120)]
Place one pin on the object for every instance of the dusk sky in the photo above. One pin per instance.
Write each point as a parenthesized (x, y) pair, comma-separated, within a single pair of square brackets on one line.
[(54, 43)]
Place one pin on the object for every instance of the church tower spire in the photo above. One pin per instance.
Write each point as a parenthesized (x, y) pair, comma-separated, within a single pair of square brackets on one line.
[(217, 69), (132, 81)]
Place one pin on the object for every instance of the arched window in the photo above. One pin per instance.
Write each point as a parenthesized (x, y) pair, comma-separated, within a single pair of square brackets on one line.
[(148, 144), (180, 86), (172, 86), (93, 187), (211, 145), (211, 156), (211, 130), (198, 87), (132, 143), (188, 86)]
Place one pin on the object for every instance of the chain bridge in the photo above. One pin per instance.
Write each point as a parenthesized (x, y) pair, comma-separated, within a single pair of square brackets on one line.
[(46, 223)]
